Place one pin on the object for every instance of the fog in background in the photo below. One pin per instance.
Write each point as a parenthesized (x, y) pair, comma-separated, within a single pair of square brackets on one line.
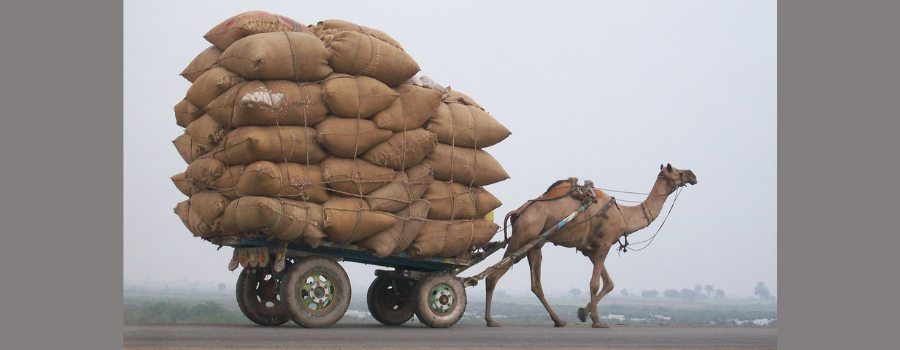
[(599, 90)]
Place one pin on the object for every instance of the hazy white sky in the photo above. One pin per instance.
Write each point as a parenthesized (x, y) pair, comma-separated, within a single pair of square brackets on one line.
[(600, 90)]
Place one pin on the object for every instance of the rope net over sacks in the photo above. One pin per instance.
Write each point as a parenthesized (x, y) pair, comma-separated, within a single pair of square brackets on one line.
[(326, 132)]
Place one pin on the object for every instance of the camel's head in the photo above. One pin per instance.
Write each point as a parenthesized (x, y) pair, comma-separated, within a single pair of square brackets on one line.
[(676, 176)]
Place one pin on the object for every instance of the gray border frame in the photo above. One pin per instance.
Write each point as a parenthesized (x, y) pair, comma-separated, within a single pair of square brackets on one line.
[(63, 107), (61, 147)]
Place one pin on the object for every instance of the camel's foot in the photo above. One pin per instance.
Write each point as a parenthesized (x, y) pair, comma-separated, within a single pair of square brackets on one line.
[(598, 324), (582, 314), (559, 323), (493, 324)]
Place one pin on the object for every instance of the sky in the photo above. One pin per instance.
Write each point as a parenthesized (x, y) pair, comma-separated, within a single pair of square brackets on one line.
[(600, 90)]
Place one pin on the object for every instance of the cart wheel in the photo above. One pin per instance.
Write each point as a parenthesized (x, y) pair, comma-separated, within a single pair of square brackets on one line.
[(315, 292), (439, 300), (390, 300), (257, 297)]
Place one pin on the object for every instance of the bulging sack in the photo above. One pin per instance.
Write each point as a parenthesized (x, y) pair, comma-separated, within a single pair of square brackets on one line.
[(354, 177), (460, 125), (348, 220), (360, 54), (182, 183), (270, 103), (409, 222), (206, 132), (287, 180), (468, 166), (291, 144), (455, 201), (290, 56), (350, 96), (282, 219), (413, 107), (348, 138), (249, 23), (203, 212), (402, 149), (186, 112), (447, 239), (206, 60), (210, 85), (407, 187), (332, 26), (187, 148)]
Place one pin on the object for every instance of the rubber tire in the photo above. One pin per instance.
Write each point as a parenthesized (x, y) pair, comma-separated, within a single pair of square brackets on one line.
[(248, 299), (421, 293), (390, 311), (295, 276)]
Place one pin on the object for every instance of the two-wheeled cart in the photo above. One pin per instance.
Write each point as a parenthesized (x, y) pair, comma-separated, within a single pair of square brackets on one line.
[(282, 282)]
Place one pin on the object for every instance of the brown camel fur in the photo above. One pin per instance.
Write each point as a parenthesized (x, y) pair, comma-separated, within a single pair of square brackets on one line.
[(591, 234)]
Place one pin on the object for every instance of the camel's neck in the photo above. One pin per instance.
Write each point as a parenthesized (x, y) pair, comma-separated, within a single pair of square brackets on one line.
[(640, 216)]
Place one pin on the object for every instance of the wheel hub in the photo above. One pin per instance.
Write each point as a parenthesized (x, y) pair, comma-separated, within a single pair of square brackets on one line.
[(317, 292), (441, 299)]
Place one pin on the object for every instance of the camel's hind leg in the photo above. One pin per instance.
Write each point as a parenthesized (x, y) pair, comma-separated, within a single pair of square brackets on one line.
[(534, 261), (490, 283)]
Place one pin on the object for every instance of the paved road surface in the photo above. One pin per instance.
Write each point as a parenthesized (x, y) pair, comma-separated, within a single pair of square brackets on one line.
[(413, 335)]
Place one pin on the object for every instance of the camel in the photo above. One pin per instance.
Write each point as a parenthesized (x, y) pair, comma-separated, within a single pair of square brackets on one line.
[(592, 233)]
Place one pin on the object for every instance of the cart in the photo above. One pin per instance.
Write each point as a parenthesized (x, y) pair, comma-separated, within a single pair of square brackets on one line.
[(283, 282)]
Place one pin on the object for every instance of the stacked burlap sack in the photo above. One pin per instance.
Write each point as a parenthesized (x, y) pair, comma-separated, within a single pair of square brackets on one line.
[(325, 132)]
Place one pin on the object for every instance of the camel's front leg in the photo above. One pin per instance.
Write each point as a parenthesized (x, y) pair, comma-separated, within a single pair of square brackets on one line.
[(534, 261), (597, 293), (490, 284)]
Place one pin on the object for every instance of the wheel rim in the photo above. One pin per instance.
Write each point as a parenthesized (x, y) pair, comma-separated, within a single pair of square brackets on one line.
[(441, 299), (317, 292), (267, 293)]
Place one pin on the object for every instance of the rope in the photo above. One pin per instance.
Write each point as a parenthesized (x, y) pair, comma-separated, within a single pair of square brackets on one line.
[(650, 240)]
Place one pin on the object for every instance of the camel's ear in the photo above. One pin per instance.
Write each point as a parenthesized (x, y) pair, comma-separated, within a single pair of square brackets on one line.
[(660, 167), (669, 167)]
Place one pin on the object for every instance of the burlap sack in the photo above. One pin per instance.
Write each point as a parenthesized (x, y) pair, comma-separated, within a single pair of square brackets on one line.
[(348, 220), (359, 54), (282, 219), (409, 222), (204, 215), (204, 171), (271, 56), (354, 177), (414, 106), (455, 201), (186, 112), (288, 180), (332, 26), (206, 60), (206, 132), (350, 96), (187, 148), (348, 138), (402, 149), (418, 211), (468, 166), (292, 144), (466, 126), (182, 209), (248, 23), (407, 187), (447, 239), (454, 96), (210, 85), (182, 183), (268, 103)]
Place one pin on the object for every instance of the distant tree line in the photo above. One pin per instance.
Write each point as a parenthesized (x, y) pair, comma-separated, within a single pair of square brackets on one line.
[(703, 292)]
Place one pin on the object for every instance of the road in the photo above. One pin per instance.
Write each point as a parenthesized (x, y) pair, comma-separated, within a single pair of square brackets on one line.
[(460, 336)]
